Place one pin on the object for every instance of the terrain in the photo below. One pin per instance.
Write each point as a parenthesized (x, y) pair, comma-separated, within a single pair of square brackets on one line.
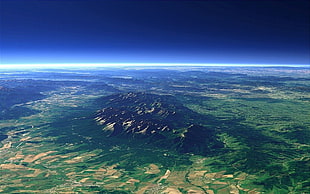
[(169, 130), (159, 119)]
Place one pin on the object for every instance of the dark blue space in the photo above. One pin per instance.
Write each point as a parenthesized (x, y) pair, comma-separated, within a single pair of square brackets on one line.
[(161, 31)]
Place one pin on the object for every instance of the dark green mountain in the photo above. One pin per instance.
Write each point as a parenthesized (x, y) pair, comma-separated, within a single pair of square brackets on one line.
[(160, 119)]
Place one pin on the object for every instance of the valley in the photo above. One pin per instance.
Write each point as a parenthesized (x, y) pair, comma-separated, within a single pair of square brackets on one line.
[(203, 130)]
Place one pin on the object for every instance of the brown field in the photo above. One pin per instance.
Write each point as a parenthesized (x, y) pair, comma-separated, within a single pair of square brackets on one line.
[(152, 169)]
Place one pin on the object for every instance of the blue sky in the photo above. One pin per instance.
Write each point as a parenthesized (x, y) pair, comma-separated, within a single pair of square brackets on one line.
[(164, 31)]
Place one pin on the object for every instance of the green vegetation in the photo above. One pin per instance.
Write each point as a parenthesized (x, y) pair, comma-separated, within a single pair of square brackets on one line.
[(233, 131)]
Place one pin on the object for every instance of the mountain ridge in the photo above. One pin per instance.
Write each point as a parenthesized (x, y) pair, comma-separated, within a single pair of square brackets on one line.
[(158, 117)]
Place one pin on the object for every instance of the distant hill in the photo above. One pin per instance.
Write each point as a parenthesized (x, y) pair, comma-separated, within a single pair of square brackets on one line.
[(13, 96)]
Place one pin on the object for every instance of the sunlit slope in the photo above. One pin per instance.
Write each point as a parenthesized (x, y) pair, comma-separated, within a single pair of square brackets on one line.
[(227, 130)]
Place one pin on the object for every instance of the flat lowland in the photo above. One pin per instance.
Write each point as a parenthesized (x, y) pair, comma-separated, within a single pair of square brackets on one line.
[(212, 130)]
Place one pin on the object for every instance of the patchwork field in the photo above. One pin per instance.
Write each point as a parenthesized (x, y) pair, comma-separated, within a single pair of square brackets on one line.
[(260, 116)]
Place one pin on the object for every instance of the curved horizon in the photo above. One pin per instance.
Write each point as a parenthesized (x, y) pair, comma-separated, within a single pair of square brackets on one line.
[(116, 65)]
